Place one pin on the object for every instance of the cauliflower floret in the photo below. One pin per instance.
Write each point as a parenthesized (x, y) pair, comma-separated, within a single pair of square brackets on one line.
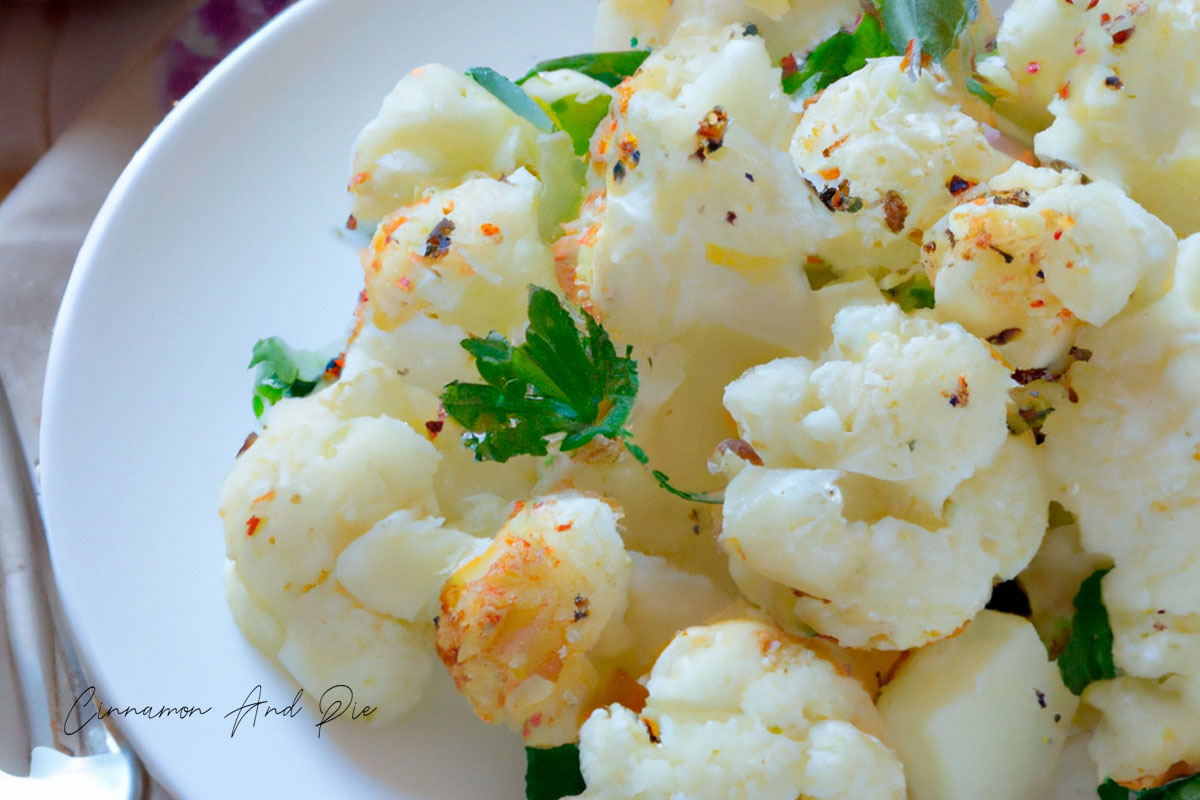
[(1137, 425), (465, 256), (1147, 727), (1129, 108), (882, 151), (1040, 255), (699, 202), (320, 502), (519, 623), (739, 710), (855, 557), (788, 26), (900, 398), (436, 128), (1037, 45)]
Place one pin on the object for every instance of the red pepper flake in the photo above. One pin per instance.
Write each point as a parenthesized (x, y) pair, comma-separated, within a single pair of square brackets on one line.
[(434, 426), (961, 397), (710, 134), (652, 730), (488, 229), (252, 525), (333, 369), (1092, 4), (359, 179), (1037, 304), (351, 223), (438, 243), (448, 207), (828, 151), (730, 217), (1121, 37), (742, 449), (908, 54), (895, 212), (251, 438), (1113, 82), (830, 174), (1058, 235), (958, 185), (404, 284), (582, 604), (1065, 91), (1105, 18), (789, 66), (1033, 67)]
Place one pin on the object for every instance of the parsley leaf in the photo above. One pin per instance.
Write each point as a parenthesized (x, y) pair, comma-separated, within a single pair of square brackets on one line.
[(914, 293), (561, 380), (512, 96), (838, 56), (578, 119), (933, 26), (609, 68), (284, 372), (552, 773), (1186, 788), (1088, 655)]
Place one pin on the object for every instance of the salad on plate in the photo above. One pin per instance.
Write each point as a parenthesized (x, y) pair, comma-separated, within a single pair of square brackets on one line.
[(789, 399)]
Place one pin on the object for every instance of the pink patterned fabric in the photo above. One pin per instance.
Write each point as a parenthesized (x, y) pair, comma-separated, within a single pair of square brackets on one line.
[(207, 36)]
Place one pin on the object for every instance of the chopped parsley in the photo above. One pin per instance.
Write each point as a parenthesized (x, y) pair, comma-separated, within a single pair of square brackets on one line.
[(552, 773), (932, 27), (565, 380), (1186, 788), (838, 56), (609, 68), (914, 293), (512, 96), (284, 371), (1088, 656)]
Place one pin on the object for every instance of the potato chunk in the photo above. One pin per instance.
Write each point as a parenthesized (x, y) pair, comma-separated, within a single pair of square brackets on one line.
[(983, 715)]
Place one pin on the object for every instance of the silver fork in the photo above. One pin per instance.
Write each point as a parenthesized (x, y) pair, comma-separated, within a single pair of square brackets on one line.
[(91, 761)]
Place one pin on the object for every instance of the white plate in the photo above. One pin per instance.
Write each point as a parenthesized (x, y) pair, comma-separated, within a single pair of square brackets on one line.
[(225, 228)]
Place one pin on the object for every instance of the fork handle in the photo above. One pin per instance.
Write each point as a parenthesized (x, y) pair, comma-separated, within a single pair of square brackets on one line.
[(49, 677)]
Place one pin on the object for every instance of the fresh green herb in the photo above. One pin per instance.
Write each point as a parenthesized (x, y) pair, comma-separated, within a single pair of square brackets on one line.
[(1088, 655), (838, 56), (578, 119), (933, 26), (661, 478), (976, 88), (914, 293), (552, 773), (284, 372), (512, 96), (609, 68), (1111, 790), (562, 380), (1186, 788)]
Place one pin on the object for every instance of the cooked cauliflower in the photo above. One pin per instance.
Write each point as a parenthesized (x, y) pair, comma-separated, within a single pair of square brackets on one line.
[(1147, 729), (896, 397), (1128, 109), (1137, 425), (437, 128), (521, 623), (741, 710), (882, 151), (698, 201), (788, 26), (465, 256), (1041, 254), (321, 503), (856, 557)]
